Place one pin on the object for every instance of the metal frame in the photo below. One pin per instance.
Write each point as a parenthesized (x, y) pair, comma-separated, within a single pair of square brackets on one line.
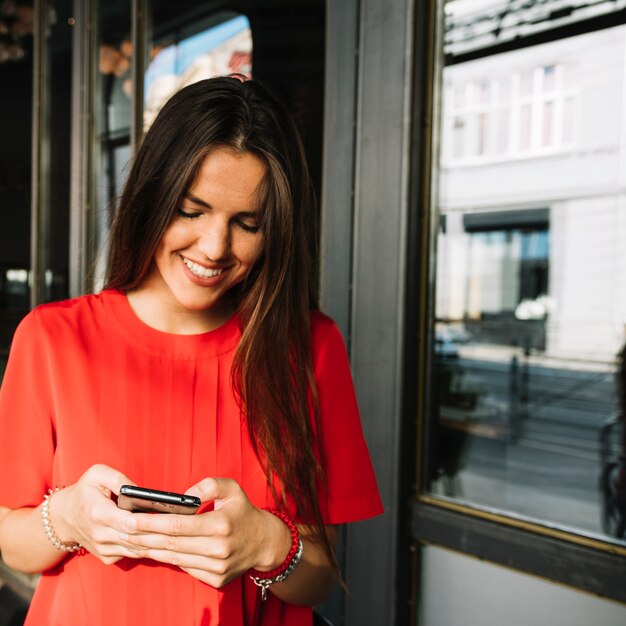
[(139, 16), (364, 243), (337, 195), (81, 188), (40, 154), (339, 140), (523, 549), (420, 271)]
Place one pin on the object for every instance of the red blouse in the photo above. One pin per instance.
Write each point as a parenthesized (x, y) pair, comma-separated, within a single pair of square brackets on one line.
[(88, 382)]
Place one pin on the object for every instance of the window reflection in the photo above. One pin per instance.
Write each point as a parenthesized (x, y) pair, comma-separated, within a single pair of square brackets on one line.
[(223, 48), (518, 113), (530, 298), (613, 455), (55, 193), (16, 76), (112, 120)]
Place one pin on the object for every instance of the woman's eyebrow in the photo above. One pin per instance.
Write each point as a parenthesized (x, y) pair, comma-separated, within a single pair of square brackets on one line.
[(197, 200)]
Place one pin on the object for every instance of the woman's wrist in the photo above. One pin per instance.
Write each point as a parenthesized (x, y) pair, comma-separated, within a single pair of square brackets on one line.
[(279, 574), (56, 524), (275, 542)]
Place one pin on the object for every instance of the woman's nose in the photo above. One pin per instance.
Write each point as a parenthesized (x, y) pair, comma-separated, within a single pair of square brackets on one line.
[(214, 242)]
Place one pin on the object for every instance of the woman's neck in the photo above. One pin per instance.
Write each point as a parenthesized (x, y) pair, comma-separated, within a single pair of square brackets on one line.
[(166, 314)]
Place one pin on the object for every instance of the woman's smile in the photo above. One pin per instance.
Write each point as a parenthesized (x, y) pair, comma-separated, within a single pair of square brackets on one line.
[(198, 270)]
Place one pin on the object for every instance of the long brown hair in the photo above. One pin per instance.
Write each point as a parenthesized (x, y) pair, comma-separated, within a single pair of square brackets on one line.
[(272, 371)]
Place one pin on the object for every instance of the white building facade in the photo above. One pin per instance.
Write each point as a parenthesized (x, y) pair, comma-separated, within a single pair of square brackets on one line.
[(533, 196)]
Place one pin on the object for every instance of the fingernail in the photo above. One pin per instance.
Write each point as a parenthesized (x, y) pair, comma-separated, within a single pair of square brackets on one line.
[(130, 523), (123, 536)]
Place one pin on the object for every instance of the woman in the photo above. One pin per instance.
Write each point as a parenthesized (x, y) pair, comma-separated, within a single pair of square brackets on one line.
[(203, 368)]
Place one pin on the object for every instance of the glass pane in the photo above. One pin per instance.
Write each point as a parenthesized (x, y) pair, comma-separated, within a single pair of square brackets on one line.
[(526, 80), (525, 126), (188, 45), (504, 90), (548, 124), (459, 136), (16, 76), (530, 309), (55, 196), (502, 144), (549, 78), (483, 133), (112, 120)]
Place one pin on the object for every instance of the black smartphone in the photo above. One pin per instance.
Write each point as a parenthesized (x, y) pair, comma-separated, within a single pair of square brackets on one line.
[(142, 500)]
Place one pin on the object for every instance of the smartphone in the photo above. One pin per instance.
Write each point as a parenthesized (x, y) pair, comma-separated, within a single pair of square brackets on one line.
[(142, 500)]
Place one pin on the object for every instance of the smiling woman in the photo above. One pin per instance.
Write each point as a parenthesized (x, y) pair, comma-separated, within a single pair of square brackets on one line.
[(202, 368)]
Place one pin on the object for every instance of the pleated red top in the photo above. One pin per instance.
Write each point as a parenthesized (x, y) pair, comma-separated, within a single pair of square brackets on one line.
[(87, 382)]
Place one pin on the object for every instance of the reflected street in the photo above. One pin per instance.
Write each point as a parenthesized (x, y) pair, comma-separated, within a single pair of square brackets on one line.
[(530, 429)]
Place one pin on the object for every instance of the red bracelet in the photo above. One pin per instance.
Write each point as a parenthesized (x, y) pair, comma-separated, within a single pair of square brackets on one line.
[(295, 543), (285, 569)]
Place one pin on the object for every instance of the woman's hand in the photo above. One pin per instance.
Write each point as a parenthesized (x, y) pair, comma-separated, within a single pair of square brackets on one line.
[(84, 513), (217, 546)]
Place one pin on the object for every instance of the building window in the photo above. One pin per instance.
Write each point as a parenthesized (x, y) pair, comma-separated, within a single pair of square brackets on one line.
[(517, 114)]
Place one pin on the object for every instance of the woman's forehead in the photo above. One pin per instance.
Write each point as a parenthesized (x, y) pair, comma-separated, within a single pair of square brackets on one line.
[(228, 174)]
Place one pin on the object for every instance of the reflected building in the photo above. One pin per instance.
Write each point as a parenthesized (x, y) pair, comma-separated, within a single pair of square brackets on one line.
[(532, 244)]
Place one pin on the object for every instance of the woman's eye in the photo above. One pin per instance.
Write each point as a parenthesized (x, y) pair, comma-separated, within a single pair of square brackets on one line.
[(187, 213), (249, 228)]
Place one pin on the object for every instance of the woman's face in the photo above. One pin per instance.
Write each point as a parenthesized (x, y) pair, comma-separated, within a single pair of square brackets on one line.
[(214, 240)]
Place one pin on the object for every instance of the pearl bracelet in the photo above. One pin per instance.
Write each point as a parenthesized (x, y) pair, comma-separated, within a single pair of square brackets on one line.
[(49, 530)]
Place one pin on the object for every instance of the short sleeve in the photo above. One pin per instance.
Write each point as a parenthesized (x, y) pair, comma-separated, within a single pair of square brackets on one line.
[(352, 492), (26, 425)]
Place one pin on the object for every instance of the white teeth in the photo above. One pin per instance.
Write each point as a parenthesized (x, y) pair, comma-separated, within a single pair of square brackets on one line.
[(200, 271)]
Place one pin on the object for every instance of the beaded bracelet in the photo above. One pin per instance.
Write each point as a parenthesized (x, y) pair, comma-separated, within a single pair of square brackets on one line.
[(286, 568), (49, 530)]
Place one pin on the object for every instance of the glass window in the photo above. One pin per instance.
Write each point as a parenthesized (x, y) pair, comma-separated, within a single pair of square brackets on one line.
[(112, 122), (502, 131), (549, 78), (193, 50), (530, 297), (525, 127), (526, 83), (18, 185), (459, 136), (16, 159), (54, 242), (547, 135), (16, 77)]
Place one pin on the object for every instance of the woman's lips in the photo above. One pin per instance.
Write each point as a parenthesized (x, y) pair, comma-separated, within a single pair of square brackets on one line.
[(201, 272), (203, 276)]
